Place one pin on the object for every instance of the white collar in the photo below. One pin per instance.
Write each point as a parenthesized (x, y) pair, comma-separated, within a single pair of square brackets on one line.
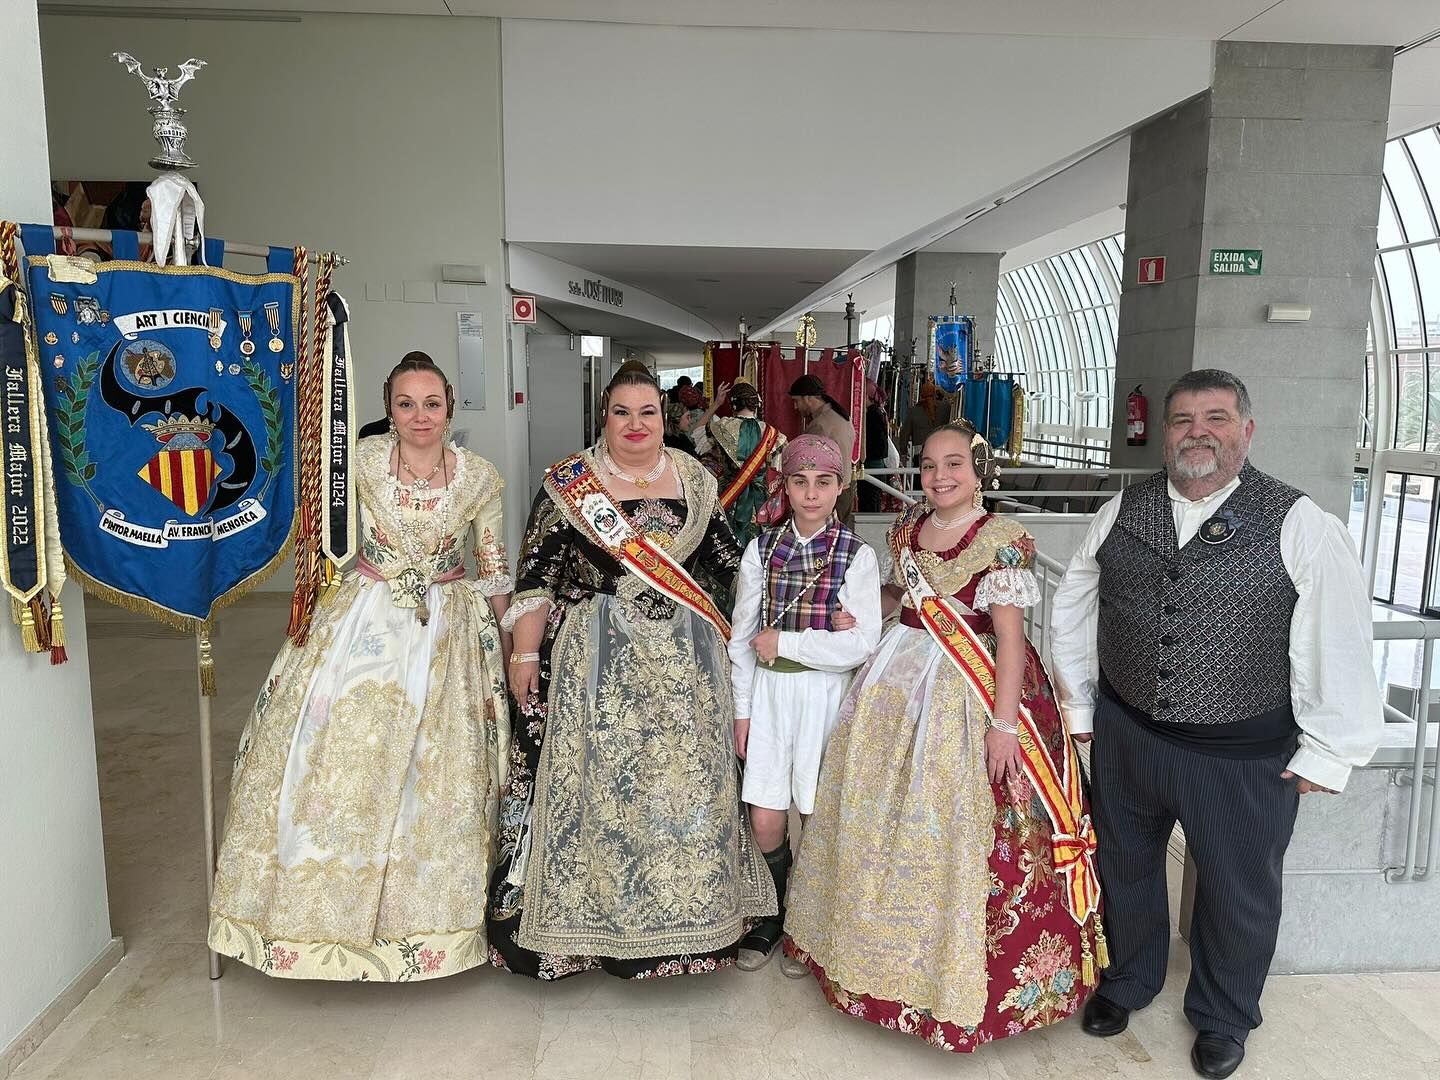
[(807, 539), (1218, 493)]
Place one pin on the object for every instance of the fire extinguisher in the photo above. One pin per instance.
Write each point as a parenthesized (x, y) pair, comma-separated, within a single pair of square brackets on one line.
[(1137, 413)]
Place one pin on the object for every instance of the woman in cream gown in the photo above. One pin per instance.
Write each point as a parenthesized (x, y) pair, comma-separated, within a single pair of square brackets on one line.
[(361, 828)]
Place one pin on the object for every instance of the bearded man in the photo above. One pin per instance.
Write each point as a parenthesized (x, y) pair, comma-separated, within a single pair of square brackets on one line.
[(1214, 633)]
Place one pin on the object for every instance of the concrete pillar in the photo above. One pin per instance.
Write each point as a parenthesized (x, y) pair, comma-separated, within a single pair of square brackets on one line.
[(922, 289), (1282, 154)]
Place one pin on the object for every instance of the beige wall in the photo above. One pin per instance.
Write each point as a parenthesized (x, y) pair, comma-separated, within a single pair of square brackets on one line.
[(375, 136), (54, 916)]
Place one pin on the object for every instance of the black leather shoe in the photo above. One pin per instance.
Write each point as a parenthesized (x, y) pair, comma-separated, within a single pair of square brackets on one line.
[(1104, 1018), (1215, 1055)]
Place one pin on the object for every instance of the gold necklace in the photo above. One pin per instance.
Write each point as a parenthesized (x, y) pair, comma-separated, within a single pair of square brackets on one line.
[(416, 480)]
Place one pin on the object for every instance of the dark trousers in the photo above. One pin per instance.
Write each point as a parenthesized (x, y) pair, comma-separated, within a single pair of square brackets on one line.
[(1238, 815)]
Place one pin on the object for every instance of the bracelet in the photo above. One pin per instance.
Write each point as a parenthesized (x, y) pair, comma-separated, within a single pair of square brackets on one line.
[(1008, 727), (525, 658)]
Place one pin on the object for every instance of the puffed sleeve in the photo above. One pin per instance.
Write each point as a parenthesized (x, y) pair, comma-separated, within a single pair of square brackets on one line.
[(544, 554), (492, 562), (1011, 576)]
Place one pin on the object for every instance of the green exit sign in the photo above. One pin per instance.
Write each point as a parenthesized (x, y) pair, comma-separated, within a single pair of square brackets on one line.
[(1235, 260)]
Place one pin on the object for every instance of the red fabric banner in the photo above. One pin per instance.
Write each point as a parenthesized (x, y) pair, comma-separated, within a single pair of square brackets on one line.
[(844, 381)]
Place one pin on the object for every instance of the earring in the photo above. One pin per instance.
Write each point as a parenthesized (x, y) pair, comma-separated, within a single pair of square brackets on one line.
[(445, 435), (978, 500), (392, 428)]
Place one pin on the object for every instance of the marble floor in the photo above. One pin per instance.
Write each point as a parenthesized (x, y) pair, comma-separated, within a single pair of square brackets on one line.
[(158, 1015)]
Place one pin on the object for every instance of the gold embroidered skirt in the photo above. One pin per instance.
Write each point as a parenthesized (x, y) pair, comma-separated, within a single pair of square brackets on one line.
[(361, 828)]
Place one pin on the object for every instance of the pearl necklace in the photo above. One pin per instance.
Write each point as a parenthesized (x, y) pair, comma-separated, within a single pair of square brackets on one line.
[(964, 519), (639, 481)]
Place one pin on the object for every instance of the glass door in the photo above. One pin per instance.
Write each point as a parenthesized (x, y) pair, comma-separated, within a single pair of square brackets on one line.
[(1406, 568)]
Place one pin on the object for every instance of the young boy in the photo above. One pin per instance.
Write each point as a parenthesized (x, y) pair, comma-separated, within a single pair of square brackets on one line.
[(807, 613)]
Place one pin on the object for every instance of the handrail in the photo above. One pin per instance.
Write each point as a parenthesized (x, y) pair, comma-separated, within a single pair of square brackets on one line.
[(1426, 631)]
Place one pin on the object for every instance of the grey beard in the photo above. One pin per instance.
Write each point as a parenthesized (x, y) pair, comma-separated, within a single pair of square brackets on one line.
[(1198, 471)]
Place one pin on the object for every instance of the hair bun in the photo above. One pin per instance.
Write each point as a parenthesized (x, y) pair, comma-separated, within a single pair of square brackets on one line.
[(634, 367)]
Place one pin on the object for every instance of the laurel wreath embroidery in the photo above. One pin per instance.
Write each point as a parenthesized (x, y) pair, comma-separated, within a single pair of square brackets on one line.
[(269, 398), (70, 433)]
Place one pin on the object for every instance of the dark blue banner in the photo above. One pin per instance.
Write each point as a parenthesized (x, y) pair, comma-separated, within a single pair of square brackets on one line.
[(171, 396)]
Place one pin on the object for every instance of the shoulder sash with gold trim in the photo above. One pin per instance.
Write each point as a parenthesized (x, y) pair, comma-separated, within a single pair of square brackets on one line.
[(1073, 838), (588, 506), (752, 467)]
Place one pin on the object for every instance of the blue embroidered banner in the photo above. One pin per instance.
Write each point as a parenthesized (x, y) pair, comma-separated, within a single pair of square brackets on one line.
[(952, 345), (171, 396)]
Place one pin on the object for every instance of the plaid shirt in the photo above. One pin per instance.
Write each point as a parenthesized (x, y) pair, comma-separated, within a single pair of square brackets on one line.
[(791, 565)]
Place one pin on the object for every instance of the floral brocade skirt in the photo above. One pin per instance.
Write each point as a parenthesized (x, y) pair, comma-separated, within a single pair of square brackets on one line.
[(362, 814), (925, 899)]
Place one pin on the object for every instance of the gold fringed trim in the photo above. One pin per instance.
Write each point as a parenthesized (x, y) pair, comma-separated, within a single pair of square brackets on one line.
[(207, 664), (17, 611), (139, 605)]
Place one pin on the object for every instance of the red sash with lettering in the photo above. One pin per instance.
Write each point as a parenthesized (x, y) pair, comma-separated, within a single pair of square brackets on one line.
[(590, 509), (1073, 840), (753, 464)]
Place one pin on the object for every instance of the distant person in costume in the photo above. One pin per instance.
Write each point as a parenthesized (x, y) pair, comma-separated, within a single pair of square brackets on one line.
[(367, 782), (807, 614), (743, 452), (823, 415), (945, 886)]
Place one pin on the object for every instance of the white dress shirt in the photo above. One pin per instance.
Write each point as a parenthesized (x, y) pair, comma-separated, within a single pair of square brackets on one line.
[(825, 651), (1332, 683)]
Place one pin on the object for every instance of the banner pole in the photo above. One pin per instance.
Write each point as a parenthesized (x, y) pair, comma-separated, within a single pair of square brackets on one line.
[(207, 789)]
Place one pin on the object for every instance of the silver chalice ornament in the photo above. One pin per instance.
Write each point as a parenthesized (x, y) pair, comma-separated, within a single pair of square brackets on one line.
[(169, 132)]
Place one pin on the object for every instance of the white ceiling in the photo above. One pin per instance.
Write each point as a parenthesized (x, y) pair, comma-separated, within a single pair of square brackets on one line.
[(762, 282), (1384, 22), (719, 284)]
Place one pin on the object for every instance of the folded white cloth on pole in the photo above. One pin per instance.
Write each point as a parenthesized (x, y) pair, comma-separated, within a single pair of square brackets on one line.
[(177, 218)]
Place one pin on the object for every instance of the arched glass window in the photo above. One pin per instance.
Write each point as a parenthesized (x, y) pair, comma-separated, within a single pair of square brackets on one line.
[(1056, 325)]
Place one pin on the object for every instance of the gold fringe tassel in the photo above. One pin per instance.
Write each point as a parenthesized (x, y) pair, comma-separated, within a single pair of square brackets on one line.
[(207, 664), (29, 641), (57, 633), (17, 611), (1102, 948), (42, 624), (1087, 962)]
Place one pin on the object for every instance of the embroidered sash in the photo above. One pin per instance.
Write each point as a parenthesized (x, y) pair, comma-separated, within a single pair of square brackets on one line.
[(590, 509), (1073, 839), (751, 468)]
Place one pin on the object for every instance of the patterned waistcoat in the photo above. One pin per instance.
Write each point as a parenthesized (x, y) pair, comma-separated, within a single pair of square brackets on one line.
[(1199, 634), (790, 566)]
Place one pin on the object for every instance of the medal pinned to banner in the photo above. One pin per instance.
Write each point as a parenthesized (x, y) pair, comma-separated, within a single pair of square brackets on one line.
[(175, 481)]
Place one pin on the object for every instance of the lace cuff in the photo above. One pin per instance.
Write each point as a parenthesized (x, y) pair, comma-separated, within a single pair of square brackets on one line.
[(1008, 585), (494, 584), (521, 607)]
